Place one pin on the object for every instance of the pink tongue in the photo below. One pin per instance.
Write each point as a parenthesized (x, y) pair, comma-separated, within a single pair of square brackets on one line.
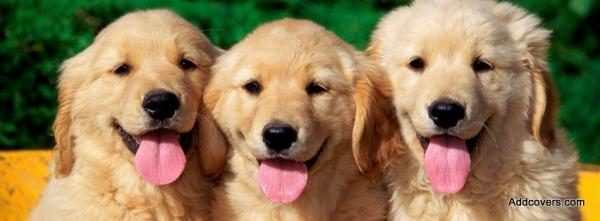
[(282, 180), (160, 159), (447, 163)]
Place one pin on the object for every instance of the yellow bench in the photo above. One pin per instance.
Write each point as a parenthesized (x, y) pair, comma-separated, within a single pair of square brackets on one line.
[(24, 174)]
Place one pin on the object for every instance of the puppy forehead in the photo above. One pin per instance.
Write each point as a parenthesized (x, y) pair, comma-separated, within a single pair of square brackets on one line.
[(153, 29), (266, 73), (134, 47), (449, 33), (290, 49), (134, 50), (292, 64)]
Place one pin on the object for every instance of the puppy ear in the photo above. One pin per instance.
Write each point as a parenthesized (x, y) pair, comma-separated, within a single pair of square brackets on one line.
[(212, 142), (212, 145), (376, 133), (544, 103), (72, 72), (63, 151), (532, 39)]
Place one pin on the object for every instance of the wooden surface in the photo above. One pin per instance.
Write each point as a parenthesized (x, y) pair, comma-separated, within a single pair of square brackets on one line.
[(589, 190), (23, 175)]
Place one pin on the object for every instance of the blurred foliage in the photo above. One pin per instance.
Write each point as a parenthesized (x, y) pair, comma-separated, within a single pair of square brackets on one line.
[(37, 35)]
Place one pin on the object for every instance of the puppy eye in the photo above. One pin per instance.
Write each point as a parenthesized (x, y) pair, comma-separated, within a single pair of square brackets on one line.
[(314, 88), (187, 64), (481, 66), (252, 87), (123, 69), (417, 64)]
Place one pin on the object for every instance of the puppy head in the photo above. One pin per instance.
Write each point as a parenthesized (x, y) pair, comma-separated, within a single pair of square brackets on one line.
[(140, 82), (284, 96), (461, 70)]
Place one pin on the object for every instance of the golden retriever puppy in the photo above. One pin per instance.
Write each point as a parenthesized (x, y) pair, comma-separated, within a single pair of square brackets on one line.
[(128, 125), (476, 105), (289, 98)]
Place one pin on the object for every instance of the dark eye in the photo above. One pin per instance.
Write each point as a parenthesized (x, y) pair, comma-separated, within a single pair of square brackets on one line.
[(187, 64), (481, 66), (252, 87), (122, 70), (417, 64), (314, 88)]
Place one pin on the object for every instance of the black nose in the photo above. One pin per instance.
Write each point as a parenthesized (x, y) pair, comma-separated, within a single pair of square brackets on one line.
[(279, 136), (445, 113), (161, 104)]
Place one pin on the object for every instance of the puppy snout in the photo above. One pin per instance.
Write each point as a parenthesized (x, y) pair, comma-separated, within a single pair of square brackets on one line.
[(446, 113), (279, 136), (160, 104)]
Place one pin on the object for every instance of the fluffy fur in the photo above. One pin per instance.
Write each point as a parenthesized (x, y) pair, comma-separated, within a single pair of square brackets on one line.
[(93, 174), (285, 57), (520, 152)]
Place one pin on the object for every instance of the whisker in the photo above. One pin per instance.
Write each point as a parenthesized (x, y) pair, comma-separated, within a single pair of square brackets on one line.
[(472, 124), (200, 118), (482, 140), (239, 27), (492, 142)]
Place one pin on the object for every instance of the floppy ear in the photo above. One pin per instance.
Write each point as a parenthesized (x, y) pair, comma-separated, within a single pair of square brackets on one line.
[(63, 151), (212, 142), (544, 104), (532, 39), (212, 145), (376, 133), (71, 76)]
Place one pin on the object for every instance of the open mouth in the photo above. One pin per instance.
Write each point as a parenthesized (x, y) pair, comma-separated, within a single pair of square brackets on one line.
[(447, 161), (283, 180), (159, 154), (470, 143), (133, 142), (309, 163)]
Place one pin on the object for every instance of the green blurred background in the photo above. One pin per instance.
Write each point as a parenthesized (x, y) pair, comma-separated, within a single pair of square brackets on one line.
[(38, 35)]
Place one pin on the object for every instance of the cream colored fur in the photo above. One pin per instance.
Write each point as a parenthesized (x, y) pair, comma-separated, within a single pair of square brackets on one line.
[(94, 177), (520, 152), (284, 57)]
